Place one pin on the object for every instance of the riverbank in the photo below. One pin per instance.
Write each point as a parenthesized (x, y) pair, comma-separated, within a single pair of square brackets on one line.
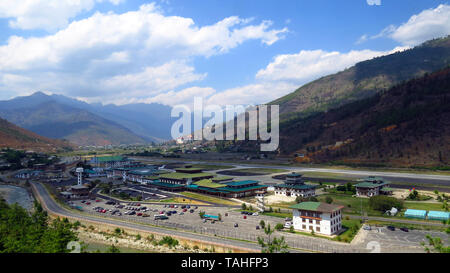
[(15, 194)]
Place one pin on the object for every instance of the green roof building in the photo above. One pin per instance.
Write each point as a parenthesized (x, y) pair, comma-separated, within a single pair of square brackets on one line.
[(318, 217), (372, 186)]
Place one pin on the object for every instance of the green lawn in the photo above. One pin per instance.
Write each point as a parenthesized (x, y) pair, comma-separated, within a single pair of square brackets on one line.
[(348, 235), (352, 205), (278, 214), (423, 206), (208, 198)]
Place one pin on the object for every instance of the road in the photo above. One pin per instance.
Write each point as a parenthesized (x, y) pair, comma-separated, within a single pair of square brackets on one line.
[(50, 205)]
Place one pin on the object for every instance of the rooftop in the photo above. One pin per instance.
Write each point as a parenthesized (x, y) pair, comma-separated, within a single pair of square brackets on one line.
[(209, 184), (186, 175), (317, 206), (298, 186), (241, 183), (294, 175), (109, 158), (370, 184)]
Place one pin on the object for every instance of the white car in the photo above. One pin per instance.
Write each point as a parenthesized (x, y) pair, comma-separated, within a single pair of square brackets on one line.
[(255, 214), (287, 225)]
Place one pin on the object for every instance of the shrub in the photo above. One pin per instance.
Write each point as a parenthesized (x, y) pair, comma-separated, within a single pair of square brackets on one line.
[(279, 226), (329, 200), (384, 203)]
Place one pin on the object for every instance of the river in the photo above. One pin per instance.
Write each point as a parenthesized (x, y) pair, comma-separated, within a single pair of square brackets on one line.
[(14, 194)]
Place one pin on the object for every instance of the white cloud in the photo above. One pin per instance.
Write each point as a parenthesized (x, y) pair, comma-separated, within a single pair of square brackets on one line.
[(427, 25), (185, 96), (45, 14), (309, 65), (258, 93), (138, 53)]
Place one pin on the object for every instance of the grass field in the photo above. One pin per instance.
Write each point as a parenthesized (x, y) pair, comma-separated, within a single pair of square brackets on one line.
[(423, 206), (278, 214), (181, 200), (211, 199), (409, 226)]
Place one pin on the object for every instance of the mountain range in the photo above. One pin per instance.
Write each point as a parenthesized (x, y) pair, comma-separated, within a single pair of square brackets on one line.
[(407, 125), (57, 116), (365, 79), (12, 136)]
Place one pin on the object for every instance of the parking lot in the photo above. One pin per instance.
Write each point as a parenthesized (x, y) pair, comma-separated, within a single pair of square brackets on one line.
[(398, 240), (230, 217), (389, 241)]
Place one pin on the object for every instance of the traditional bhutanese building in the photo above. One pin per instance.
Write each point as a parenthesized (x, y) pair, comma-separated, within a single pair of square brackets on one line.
[(295, 186), (319, 217), (372, 186), (110, 161), (235, 189), (185, 176)]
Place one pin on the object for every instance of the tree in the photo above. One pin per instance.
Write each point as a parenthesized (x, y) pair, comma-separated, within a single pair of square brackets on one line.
[(274, 245), (113, 249), (201, 214), (435, 245), (243, 206), (279, 226), (262, 224), (329, 200), (384, 203)]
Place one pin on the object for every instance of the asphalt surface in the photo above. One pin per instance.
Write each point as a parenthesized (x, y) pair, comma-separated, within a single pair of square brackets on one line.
[(53, 207)]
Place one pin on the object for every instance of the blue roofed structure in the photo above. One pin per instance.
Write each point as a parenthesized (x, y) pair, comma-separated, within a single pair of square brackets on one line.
[(413, 213), (438, 215)]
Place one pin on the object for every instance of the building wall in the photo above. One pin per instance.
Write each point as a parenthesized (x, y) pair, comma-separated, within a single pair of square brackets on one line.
[(328, 224), (294, 192), (367, 192)]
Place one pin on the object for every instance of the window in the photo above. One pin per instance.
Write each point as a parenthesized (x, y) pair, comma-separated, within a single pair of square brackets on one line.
[(318, 229)]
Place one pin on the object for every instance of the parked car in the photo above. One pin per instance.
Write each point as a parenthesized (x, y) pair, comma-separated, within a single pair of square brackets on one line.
[(367, 227), (255, 214), (287, 225), (88, 203), (245, 217), (236, 225), (145, 215), (132, 213), (257, 227), (191, 211), (139, 214), (404, 229), (391, 228)]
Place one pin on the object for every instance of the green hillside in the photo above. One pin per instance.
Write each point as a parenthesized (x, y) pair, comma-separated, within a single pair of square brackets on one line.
[(365, 79)]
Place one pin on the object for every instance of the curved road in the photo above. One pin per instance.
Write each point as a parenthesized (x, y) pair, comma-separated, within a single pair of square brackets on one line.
[(49, 204)]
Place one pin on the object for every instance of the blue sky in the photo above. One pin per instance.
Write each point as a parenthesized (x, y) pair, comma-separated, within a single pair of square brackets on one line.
[(228, 52)]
